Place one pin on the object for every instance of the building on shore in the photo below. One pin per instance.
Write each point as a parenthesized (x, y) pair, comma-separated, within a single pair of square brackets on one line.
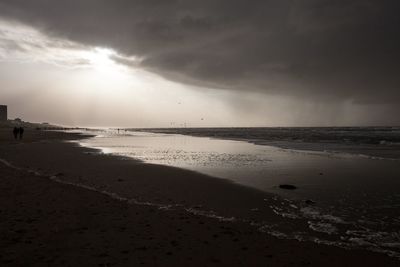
[(3, 113)]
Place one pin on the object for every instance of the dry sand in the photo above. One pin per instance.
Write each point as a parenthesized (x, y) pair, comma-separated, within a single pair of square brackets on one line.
[(48, 223)]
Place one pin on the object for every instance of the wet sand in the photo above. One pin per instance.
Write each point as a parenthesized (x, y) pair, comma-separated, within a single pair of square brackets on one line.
[(45, 222), (375, 142)]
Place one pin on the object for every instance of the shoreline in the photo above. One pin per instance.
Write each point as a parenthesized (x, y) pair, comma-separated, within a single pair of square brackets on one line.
[(373, 151), (49, 154)]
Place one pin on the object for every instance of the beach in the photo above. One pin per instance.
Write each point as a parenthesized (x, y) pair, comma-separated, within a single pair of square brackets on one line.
[(66, 205)]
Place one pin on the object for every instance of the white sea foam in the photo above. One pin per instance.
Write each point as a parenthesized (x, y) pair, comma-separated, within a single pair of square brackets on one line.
[(322, 227), (313, 213)]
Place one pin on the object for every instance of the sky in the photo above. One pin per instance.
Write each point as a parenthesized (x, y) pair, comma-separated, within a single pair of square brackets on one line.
[(217, 63)]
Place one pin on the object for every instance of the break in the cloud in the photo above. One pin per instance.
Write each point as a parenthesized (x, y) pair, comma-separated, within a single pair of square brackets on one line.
[(21, 43), (280, 63), (313, 48)]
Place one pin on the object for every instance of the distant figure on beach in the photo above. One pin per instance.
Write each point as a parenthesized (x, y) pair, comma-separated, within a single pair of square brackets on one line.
[(21, 132), (16, 132)]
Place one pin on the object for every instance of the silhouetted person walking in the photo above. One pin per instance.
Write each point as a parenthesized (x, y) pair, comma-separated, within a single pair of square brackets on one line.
[(16, 132), (21, 133)]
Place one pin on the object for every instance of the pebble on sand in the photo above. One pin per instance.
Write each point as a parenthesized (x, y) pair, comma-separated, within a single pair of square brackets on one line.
[(287, 186)]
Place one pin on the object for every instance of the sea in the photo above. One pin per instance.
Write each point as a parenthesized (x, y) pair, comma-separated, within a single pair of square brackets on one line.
[(346, 179)]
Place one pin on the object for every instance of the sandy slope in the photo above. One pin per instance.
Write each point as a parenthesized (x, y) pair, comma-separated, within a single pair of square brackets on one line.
[(44, 222)]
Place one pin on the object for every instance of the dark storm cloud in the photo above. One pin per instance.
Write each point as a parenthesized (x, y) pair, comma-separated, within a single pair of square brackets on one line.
[(312, 48)]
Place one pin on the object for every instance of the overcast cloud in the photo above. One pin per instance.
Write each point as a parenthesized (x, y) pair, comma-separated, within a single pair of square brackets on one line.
[(312, 48), (259, 63)]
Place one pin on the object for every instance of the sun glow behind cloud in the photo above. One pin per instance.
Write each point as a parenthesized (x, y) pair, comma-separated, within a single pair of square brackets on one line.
[(44, 78), (90, 85), (21, 43), (100, 59)]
